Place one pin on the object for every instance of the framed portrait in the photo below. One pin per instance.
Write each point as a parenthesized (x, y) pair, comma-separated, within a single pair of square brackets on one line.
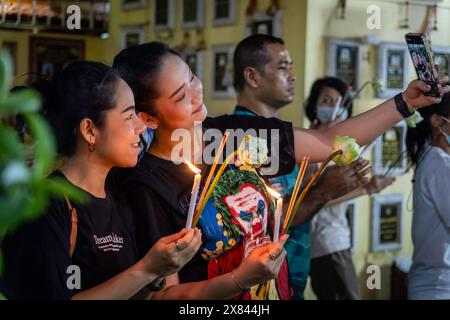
[(193, 14), (390, 152), (351, 214), (195, 60), (344, 58), (393, 66), (133, 4), (222, 79), (224, 12), (164, 15), (387, 222), (265, 24), (442, 58), (48, 56), (11, 48), (132, 36)]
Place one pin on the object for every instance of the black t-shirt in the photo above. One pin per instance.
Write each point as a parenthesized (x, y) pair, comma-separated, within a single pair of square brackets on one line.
[(36, 255), (159, 191)]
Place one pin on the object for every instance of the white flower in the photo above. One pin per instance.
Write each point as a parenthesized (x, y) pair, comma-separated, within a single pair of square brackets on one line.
[(14, 173), (253, 152)]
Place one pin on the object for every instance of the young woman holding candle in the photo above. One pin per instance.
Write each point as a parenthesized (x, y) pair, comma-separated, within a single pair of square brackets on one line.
[(91, 110), (169, 97), (429, 151)]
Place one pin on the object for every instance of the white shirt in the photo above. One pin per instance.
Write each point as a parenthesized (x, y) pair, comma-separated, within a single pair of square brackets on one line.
[(429, 277), (330, 231)]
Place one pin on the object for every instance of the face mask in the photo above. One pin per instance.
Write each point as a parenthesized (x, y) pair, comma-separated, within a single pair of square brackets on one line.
[(324, 113)]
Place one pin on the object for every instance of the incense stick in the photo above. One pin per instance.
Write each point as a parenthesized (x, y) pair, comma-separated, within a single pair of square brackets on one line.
[(311, 182), (213, 167), (211, 188)]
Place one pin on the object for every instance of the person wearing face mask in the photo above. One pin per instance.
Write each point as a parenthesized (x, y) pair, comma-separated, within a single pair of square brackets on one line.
[(333, 275), (429, 151)]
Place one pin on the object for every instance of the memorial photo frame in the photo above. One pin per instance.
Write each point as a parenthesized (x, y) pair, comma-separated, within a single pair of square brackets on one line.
[(393, 69), (192, 14), (442, 58), (390, 152), (132, 36), (265, 24), (48, 56), (222, 79), (344, 59), (224, 12), (163, 15), (387, 222), (195, 60)]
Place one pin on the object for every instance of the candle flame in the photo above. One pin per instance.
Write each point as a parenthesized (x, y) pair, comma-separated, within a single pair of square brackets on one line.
[(192, 167), (273, 193)]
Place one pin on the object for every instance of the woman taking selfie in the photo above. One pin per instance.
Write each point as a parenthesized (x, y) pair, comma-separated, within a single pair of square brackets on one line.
[(169, 97)]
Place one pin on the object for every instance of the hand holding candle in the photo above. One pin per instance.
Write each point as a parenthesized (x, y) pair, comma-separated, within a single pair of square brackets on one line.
[(194, 193)]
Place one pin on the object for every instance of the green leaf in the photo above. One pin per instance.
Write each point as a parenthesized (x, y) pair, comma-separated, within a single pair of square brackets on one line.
[(1, 264), (5, 73), (60, 187), (45, 144), (10, 145), (20, 102)]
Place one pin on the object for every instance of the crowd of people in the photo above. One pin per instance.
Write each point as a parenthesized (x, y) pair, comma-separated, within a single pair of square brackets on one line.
[(129, 239)]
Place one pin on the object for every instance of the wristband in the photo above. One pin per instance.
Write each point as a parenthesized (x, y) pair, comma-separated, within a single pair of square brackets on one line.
[(402, 107)]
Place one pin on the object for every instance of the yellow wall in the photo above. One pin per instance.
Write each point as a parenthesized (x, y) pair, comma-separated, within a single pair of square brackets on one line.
[(293, 32)]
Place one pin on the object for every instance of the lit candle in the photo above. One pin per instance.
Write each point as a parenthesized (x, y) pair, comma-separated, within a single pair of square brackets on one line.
[(194, 194), (279, 207)]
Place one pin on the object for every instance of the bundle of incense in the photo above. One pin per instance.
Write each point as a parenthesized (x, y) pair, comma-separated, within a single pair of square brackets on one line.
[(202, 205), (287, 223), (298, 183), (211, 172)]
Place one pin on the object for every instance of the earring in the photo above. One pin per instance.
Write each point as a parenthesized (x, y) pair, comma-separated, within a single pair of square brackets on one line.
[(91, 147)]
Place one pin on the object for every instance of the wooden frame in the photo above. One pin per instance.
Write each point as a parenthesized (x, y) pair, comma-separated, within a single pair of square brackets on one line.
[(393, 69), (346, 52), (387, 222), (48, 56)]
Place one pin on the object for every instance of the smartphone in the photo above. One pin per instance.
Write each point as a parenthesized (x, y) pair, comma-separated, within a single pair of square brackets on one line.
[(422, 58)]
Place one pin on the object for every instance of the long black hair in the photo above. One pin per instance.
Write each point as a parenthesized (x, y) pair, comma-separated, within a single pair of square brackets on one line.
[(140, 67), (417, 138), (318, 85), (81, 90)]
